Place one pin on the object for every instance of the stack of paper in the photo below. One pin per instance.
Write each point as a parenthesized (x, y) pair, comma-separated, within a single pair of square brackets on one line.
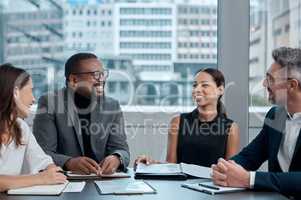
[(74, 176), (124, 187)]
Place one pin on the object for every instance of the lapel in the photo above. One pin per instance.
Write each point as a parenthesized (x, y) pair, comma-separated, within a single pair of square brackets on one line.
[(72, 116), (278, 125), (298, 145)]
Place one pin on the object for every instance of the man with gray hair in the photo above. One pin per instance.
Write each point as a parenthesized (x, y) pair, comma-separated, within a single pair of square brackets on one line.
[(279, 141)]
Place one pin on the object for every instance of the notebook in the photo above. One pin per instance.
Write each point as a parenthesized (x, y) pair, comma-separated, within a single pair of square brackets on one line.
[(210, 188), (171, 171), (74, 176), (41, 190), (124, 187)]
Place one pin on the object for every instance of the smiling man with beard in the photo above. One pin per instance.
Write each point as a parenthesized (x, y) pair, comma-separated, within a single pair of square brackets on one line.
[(81, 128), (279, 141)]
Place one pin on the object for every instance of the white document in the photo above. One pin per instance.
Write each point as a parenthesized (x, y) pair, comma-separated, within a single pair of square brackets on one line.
[(210, 188), (40, 190), (75, 186), (124, 187), (158, 168), (91, 176), (196, 170), (189, 169)]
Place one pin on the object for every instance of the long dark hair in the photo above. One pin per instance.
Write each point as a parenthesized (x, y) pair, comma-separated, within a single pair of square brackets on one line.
[(219, 80), (10, 77)]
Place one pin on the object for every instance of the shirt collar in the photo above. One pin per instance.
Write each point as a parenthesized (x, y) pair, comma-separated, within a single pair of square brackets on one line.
[(295, 116)]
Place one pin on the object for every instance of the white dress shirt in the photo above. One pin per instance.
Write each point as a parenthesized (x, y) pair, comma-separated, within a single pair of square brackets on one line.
[(287, 145), (25, 159)]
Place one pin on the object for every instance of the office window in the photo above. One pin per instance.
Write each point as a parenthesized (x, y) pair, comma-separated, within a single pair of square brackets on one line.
[(149, 36), (272, 24), (112, 87), (124, 86)]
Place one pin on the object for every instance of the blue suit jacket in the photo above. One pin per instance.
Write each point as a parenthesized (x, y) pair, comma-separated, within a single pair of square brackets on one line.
[(265, 147)]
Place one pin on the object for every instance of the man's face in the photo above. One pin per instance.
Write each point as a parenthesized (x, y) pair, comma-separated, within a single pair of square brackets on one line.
[(276, 84), (88, 79)]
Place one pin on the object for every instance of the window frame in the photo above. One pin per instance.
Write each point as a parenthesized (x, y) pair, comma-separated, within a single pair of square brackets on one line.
[(233, 51)]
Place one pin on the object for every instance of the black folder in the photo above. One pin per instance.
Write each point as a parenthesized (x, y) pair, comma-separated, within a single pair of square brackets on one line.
[(167, 176)]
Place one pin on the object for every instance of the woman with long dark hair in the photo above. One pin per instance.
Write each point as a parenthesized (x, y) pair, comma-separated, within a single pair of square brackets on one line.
[(22, 161), (206, 134)]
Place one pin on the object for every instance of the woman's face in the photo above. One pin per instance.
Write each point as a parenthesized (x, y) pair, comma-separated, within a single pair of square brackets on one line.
[(24, 99), (205, 91)]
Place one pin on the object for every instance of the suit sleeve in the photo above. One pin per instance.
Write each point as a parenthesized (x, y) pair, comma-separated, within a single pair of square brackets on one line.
[(44, 129), (256, 153), (287, 183), (117, 141)]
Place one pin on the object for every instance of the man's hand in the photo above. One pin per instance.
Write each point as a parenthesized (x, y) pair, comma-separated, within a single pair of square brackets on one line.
[(83, 165), (230, 174), (110, 164)]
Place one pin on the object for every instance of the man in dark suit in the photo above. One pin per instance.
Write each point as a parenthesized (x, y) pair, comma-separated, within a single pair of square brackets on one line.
[(81, 128), (279, 141)]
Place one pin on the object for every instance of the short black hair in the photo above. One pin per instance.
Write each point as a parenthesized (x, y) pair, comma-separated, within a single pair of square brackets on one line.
[(71, 65), (288, 57)]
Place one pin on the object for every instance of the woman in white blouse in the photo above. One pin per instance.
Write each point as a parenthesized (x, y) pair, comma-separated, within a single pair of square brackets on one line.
[(22, 161)]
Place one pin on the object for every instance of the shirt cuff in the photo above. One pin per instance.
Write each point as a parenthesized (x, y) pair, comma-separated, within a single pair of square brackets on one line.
[(252, 179), (121, 166)]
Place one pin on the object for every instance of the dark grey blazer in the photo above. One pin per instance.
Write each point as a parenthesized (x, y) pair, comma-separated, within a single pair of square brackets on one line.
[(58, 130)]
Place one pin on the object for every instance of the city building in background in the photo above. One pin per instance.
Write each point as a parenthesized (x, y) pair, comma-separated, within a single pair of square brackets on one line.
[(33, 39), (157, 44), (197, 33), (121, 82), (272, 24), (146, 34), (88, 27)]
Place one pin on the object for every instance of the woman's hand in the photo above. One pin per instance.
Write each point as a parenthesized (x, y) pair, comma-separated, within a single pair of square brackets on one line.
[(51, 176)]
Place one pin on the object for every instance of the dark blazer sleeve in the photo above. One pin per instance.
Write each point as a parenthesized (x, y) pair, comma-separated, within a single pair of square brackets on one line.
[(256, 153), (44, 129), (252, 156), (117, 141), (287, 183)]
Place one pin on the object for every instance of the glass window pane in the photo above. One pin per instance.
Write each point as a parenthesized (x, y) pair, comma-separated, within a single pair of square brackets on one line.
[(273, 24), (150, 48)]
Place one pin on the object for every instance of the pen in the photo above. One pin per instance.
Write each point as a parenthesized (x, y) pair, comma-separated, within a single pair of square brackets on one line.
[(63, 172), (209, 186)]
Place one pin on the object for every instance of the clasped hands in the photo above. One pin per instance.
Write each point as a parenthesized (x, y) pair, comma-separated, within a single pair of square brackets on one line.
[(228, 173), (85, 165)]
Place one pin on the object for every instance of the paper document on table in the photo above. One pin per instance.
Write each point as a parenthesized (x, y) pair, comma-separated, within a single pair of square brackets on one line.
[(189, 169), (196, 170), (39, 190), (124, 187), (74, 176), (75, 186), (210, 188), (158, 168)]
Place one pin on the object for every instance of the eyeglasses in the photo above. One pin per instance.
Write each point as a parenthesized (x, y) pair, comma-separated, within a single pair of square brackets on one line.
[(271, 82), (97, 75)]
